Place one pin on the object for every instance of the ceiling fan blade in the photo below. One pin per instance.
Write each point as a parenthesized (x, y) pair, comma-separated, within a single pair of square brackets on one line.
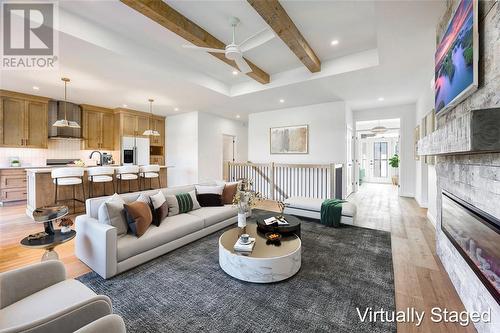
[(256, 40), (205, 49), (242, 65)]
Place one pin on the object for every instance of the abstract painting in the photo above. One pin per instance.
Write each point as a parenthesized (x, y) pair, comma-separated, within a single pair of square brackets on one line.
[(289, 140)]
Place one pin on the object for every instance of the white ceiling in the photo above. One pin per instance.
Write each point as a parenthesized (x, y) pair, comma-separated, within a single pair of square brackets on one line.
[(116, 56)]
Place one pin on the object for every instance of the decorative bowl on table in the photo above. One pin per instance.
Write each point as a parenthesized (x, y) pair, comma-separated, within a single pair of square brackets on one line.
[(273, 236)]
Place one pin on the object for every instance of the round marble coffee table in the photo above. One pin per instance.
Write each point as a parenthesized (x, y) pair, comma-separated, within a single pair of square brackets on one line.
[(266, 263)]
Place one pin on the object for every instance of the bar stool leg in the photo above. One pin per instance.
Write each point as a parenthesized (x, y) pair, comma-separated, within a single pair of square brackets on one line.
[(74, 201), (159, 181), (83, 191), (55, 194), (114, 186)]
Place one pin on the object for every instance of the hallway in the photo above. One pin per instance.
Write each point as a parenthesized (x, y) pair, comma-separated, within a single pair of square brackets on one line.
[(420, 280)]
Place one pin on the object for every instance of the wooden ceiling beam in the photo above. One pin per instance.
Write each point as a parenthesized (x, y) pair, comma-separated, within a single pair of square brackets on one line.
[(277, 18), (174, 21)]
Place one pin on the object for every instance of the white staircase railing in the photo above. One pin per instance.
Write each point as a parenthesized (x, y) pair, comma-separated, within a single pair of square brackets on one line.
[(278, 181)]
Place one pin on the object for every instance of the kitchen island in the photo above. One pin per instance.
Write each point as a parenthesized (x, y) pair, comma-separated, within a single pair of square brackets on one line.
[(41, 188)]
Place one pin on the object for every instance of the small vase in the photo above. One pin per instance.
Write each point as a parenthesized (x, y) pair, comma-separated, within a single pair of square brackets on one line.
[(242, 220), (65, 230)]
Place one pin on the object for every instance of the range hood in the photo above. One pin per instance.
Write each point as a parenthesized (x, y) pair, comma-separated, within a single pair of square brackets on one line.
[(56, 111)]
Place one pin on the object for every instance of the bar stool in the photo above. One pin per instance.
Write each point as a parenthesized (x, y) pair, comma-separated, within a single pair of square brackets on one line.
[(100, 175), (126, 172), (70, 176), (150, 172)]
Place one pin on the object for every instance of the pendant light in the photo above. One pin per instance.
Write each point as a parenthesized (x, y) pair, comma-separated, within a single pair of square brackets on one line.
[(151, 132), (64, 122), (379, 129)]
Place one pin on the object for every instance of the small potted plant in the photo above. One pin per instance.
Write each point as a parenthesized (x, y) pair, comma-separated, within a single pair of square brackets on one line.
[(15, 163), (394, 163), (65, 223)]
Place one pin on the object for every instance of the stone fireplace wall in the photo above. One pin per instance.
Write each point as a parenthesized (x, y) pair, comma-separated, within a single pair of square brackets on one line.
[(474, 178)]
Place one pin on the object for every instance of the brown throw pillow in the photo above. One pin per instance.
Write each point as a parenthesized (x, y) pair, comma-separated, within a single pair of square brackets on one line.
[(139, 217), (229, 193)]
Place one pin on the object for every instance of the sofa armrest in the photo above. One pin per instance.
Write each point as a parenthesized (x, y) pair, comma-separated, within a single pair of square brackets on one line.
[(110, 324), (96, 245), (20, 283)]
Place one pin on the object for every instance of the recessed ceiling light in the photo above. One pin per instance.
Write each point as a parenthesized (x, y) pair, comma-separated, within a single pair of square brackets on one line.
[(176, 109), (282, 100), (380, 99), (36, 88), (334, 42), (238, 116), (235, 72), (125, 105)]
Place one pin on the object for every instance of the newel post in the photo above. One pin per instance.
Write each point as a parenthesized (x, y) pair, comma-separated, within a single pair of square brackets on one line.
[(272, 180), (332, 180)]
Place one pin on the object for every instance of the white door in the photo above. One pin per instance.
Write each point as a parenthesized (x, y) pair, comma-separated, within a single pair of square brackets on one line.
[(228, 152), (376, 160), (350, 162)]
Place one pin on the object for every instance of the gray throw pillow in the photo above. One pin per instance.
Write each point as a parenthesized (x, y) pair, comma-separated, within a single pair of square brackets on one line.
[(111, 213)]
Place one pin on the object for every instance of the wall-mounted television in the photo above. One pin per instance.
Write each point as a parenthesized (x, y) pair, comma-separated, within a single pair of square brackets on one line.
[(456, 58)]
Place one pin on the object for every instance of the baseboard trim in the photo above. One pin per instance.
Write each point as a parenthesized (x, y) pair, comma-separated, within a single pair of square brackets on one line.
[(421, 204), (431, 218)]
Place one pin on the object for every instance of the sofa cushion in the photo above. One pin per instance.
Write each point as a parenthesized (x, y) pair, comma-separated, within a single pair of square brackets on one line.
[(160, 207), (139, 217), (214, 215), (171, 228), (44, 303), (209, 196), (229, 192), (174, 204), (111, 212)]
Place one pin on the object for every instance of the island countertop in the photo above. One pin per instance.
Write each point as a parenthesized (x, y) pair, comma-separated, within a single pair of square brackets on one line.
[(49, 169), (41, 188)]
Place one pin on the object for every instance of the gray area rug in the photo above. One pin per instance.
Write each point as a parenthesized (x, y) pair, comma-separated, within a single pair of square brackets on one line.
[(186, 291)]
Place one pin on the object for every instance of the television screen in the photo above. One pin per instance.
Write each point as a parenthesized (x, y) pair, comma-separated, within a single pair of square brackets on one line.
[(456, 58)]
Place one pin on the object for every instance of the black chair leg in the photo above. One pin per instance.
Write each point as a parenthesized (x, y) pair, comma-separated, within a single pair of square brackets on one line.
[(55, 195), (74, 201)]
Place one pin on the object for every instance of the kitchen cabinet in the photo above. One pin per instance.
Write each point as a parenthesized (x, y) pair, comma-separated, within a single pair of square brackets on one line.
[(13, 185), (129, 125), (142, 125), (159, 125), (23, 120), (98, 128)]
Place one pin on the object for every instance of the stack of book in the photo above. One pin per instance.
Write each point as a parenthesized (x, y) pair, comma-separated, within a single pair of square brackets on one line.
[(240, 247)]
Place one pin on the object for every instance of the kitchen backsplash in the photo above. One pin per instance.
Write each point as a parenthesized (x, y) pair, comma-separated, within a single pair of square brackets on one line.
[(57, 149)]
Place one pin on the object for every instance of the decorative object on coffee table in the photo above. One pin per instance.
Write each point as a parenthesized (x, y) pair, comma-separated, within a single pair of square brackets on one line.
[(266, 263), (65, 223), (47, 215), (293, 226), (245, 198)]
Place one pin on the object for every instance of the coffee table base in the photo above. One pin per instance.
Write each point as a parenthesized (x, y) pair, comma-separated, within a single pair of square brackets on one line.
[(259, 270), (50, 254)]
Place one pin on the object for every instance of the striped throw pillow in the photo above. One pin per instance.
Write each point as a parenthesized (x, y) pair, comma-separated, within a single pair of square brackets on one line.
[(185, 202)]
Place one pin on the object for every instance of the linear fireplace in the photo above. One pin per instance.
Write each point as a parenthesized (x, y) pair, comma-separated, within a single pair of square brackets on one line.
[(476, 236)]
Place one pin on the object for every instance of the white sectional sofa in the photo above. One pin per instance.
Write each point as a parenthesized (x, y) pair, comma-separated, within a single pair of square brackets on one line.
[(98, 245)]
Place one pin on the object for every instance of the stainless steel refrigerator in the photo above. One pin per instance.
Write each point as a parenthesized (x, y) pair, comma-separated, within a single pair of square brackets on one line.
[(134, 151)]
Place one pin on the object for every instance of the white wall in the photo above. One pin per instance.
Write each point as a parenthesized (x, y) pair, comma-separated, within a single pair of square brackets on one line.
[(406, 113), (211, 129), (182, 149), (326, 122), (426, 182)]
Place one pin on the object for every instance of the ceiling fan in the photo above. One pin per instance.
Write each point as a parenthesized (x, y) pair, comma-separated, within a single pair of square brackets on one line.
[(235, 51)]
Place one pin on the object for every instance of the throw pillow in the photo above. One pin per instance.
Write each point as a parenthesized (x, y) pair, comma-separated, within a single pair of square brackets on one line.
[(160, 207), (111, 212), (209, 196), (188, 201), (139, 217), (229, 192)]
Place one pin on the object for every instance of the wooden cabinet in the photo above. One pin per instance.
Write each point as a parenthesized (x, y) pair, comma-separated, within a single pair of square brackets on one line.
[(23, 120), (12, 185), (159, 125), (143, 123), (98, 128), (129, 125)]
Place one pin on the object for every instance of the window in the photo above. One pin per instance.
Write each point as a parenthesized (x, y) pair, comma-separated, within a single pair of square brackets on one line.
[(380, 159)]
